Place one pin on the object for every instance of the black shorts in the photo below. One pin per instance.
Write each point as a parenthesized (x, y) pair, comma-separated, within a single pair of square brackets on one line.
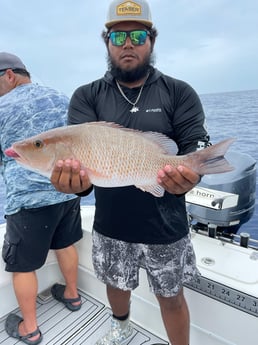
[(30, 234)]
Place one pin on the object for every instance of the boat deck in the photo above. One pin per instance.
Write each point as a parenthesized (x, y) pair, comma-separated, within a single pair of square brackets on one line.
[(60, 326)]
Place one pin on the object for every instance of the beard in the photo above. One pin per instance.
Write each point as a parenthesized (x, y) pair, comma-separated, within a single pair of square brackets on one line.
[(132, 75)]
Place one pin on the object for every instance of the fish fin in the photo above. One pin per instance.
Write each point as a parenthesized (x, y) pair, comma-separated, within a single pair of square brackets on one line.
[(215, 166), (211, 160), (155, 190), (167, 145)]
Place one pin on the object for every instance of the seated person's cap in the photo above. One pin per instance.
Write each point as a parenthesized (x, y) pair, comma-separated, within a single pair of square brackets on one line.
[(10, 61), (122, 11)]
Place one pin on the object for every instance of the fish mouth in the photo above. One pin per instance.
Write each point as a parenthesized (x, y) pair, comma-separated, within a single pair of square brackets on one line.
[(10, 152), (23, 161)]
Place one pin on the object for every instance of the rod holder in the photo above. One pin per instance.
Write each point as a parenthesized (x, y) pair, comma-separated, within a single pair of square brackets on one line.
[(244, 239)]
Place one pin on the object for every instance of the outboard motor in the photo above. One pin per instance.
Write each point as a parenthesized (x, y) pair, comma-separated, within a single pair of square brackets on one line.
[(223, 202)]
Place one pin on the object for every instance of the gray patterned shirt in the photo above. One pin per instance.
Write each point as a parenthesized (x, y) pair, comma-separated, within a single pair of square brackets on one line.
[(26, 111)]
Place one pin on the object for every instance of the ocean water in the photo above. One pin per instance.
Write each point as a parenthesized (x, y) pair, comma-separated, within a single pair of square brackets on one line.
[(230, 114)]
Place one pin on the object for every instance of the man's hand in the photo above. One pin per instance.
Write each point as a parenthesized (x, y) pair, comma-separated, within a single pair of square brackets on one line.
[(69, 177), (177, 180)]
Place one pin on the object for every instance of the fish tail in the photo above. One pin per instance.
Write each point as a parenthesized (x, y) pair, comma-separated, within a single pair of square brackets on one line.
[(211, 160)]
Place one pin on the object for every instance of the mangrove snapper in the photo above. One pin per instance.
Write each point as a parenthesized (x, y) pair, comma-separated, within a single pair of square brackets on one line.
[(115, 156)]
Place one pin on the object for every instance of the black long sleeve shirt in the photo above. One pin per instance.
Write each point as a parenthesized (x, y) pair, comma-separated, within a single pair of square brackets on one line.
[(166, 105)]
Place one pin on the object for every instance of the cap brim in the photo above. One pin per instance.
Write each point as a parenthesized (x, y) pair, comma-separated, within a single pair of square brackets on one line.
[(113, 22)]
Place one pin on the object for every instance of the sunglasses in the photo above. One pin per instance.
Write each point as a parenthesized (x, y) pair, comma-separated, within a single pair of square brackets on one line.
[(137, 37), (2, 72)]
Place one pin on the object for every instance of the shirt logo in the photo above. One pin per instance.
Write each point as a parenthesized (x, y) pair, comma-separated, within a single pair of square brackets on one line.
[(128, 8), (157, 110)]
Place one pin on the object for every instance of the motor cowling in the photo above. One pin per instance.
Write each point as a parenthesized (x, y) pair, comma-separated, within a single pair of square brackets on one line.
[(226, 200)]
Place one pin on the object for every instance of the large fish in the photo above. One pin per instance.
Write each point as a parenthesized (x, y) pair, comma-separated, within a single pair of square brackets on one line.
[(115, 156)]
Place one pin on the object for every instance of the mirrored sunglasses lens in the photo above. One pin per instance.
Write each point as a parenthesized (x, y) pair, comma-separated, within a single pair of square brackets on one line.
[(118, 38), (138, 37)]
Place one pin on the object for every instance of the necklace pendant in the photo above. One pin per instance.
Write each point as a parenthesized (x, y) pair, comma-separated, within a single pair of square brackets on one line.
[(134, 109)]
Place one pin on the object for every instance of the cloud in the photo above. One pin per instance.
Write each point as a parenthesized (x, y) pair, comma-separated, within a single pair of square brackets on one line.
[(210, 44)]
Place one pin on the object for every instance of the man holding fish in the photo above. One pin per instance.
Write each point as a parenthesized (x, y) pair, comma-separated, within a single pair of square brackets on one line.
[(38, 218), (142, 222), (133, 228)]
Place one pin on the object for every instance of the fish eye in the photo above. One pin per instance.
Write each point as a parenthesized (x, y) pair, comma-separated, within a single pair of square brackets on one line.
[(38, 144)]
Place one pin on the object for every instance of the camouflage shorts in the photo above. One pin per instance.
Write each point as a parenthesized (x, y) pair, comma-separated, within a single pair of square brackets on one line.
[(168, 266)]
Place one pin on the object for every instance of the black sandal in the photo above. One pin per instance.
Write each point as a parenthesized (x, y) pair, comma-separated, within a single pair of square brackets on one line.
[(12, 329), (57, 292)]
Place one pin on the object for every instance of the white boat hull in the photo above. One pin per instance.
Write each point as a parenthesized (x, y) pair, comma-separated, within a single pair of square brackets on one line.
[(213, 322)]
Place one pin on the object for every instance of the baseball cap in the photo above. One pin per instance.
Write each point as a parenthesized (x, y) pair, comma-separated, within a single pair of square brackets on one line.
[(10, 61), (137, 11)]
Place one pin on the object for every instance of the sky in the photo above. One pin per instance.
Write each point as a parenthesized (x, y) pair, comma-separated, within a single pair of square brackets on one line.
[(211, 44)]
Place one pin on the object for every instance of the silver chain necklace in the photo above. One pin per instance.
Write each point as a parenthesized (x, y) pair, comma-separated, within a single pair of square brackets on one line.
[(134, 108)]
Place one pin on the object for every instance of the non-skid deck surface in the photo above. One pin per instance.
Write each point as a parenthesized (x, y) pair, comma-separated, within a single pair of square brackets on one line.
[(84, 327)]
